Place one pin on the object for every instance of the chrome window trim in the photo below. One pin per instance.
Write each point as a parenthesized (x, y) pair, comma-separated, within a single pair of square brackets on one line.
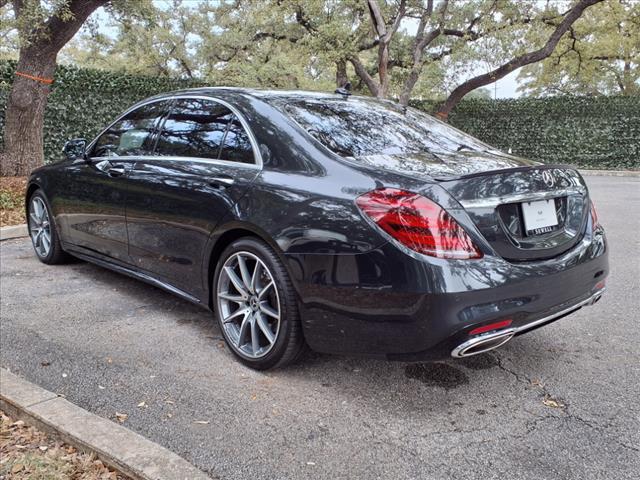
[(258, 163), (212, 161), (493, 202)]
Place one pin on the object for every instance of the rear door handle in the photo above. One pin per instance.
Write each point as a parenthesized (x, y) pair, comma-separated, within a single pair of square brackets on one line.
[(221, 181), (116, 171)]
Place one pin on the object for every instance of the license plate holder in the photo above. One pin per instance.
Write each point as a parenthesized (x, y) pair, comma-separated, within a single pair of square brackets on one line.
[(539, 216)]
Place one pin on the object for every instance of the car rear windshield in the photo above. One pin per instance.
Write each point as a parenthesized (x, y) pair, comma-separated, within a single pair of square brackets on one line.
[(360, 127)]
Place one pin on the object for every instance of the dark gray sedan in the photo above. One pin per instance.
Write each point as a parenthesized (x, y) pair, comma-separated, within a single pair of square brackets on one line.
[(341, 223)]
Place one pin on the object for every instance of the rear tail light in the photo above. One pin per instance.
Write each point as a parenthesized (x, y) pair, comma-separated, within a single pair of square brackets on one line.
[(418, 223), (594, 217)]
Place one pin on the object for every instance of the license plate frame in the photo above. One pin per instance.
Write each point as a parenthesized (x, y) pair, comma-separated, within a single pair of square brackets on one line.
[(539, 216)]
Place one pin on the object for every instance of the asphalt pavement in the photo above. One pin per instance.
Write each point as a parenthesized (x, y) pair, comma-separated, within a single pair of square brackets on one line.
[(561, 402)]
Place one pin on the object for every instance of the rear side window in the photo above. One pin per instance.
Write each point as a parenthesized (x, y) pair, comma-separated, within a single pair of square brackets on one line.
[(203, 128), (132, 134), (361, 128), (237, 146)]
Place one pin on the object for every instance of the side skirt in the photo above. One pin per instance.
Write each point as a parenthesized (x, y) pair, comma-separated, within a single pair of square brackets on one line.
[(72, 250)]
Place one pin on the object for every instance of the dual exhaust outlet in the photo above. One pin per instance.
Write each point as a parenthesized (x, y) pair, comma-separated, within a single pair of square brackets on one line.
[(489, 341)]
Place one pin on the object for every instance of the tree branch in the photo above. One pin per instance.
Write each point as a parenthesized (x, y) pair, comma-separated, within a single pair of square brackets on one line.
[(531, 57), (361, 71)]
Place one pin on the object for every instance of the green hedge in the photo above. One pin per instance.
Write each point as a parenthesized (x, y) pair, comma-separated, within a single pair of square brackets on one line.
[(591, 132), (600, 132)]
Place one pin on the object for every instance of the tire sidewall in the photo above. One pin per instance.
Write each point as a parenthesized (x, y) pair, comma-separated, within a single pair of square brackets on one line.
[(288, 309)]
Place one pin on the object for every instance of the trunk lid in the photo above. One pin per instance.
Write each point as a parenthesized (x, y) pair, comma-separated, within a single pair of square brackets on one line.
[(505, 196)]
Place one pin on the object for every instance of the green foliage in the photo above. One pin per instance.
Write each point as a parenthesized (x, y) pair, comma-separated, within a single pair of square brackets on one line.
[(600, 132), (590, 132), (600, 56)]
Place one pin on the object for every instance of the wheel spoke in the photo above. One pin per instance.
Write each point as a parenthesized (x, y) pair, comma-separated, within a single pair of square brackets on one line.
[(255, 277), (37, 209), (263, 292), (255, 345), (236, 281), (38, 238), (236, 314), (232, 298), (244, 273), (34, 218), (243, 329), (264, 308), (266, 329), (46, 241)]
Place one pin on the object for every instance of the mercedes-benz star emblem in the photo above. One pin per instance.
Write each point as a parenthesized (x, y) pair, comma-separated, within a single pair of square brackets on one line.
[(548, 178)]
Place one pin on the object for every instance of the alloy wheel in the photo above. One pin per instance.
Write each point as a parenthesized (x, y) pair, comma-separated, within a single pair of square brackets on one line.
[(40, 227), (248, 305)]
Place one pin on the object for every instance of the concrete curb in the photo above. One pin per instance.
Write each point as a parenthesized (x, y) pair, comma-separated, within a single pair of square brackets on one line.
[(17, 231), (115, 445), (611, 173)]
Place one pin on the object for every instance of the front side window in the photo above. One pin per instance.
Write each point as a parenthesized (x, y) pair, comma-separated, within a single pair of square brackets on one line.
[(132, 134), (204, 128)]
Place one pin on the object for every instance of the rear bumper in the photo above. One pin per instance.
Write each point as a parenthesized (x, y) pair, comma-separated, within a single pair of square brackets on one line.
[(488, 341), (386, 303)]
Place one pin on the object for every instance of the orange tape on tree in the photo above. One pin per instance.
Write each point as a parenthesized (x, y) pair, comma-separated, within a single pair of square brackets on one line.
[(46, 81)]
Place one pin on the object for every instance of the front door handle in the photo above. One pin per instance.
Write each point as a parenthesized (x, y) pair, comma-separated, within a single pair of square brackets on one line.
[(116, 171)]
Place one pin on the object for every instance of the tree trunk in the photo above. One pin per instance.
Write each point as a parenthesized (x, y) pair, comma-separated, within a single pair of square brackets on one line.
[(24, 116), (383, 72), (341, 73)]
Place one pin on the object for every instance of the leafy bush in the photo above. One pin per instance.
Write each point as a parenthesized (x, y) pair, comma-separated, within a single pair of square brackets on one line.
[(600, 132), (591, 132)]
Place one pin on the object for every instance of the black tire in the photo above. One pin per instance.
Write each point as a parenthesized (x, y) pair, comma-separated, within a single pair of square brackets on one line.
[(55, 254), (289, 344)]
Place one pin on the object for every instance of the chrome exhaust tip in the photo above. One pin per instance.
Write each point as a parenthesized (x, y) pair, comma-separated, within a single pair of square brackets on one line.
[(483, 343)]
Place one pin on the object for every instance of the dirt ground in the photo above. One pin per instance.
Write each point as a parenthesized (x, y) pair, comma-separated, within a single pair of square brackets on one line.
[(27, 453), (12, 190)]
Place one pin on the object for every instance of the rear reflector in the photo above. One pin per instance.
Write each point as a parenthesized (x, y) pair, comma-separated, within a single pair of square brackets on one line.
[(491, 326), (418, 223), (594, 217)]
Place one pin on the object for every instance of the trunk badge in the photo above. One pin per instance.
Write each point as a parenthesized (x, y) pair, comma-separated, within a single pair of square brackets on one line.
[(548, 178)]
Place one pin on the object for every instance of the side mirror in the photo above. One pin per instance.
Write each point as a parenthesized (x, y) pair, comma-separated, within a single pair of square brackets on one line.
[(75, 148)]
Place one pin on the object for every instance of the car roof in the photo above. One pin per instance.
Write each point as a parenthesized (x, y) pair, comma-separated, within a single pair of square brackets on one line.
[(267, 95)]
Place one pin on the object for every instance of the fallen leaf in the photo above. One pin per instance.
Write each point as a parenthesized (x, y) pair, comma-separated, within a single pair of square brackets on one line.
[(64, 375), (109, 360), (16, 468), (202, 422), (311, 463), (18, 423), (45, 364), (43, 448), (254, 396), (552, 402), (170, 402), (121, 417), (142, 405), (169, 415), (101, 387)]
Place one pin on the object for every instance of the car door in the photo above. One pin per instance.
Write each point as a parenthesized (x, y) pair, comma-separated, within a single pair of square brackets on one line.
[(203, 162), (96, 217)]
